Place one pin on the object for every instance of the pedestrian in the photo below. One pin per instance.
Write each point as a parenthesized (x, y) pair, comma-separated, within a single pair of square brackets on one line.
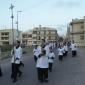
[(60, 53), (16, 59), (50, 59), (63, 48), (36, 52), (66, 49), (42, 66), (74, 48), (47, 48)]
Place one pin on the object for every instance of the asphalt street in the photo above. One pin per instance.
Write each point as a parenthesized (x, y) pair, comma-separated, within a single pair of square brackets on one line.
[(71, 71)]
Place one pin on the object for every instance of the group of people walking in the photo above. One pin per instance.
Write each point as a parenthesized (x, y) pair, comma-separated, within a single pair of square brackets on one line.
[(64, 47), (43, 56)]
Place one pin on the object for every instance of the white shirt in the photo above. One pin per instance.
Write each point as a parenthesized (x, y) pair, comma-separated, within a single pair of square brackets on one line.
[(60, 51), (42, 62), (51, 55), (63, 49), (47, 49), (66, 48), (36, 52), (73, 47), (17, 54)]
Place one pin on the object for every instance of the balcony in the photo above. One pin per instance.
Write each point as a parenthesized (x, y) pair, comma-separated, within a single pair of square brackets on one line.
[(5, 34), (77, 33)]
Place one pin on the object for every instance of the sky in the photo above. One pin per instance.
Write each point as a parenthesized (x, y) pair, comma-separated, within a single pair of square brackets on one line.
[(50, 13)]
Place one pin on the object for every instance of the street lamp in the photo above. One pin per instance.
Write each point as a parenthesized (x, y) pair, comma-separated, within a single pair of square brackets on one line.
[(18, 24), (12, 17)]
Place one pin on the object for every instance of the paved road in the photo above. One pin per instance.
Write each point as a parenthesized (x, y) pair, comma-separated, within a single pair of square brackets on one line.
[(69, 72)]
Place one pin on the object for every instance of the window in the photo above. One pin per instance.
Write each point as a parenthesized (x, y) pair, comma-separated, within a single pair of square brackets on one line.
[(2, 33), (53, 38), (7, 33), (38, 38), (53, 32), (5, 43), (82, 26), (42, 32), (82, 37), (34, 32), (34, 42), (30, 35), (38, 33), (34, 37), (24, 35), (49, 38)]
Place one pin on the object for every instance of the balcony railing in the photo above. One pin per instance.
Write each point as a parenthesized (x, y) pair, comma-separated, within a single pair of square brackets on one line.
[(77, 32)]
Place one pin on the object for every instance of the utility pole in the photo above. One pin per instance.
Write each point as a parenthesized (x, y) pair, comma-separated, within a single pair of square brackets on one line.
[(18, 24), (12, 17)]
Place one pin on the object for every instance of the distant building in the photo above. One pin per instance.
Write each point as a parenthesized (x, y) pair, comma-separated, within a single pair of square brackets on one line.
[(37, 34), (6, 36), (76, 31), (27, 38)]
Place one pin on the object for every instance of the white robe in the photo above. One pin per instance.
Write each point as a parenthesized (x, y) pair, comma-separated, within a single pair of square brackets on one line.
[(50, 60), (42, 62), (74, 47), (17, 54), (60, 51)]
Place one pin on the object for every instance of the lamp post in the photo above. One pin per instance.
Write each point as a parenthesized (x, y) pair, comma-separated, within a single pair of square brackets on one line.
[(18, 23), (12, 17)]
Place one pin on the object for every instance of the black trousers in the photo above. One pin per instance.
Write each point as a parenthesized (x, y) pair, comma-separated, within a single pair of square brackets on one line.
[(63, 54), (15, 71), (12, 68), (73, 53), (50, 67), (66, 52), (35, 58), (0, 72), (60, 57), (21, 64), (42, 73)]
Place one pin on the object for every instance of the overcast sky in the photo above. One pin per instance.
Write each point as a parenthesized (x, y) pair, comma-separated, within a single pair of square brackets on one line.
[(50, 13)]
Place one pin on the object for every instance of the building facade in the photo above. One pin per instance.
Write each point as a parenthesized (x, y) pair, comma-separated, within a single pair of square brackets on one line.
[(6, 36), (27, 38), (37, 34), (76, 31)]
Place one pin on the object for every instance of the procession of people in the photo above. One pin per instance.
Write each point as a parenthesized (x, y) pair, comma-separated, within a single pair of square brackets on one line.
[(44, 56)]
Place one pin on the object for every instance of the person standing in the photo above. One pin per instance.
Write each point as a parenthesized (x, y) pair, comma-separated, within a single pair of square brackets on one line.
[(42, 67), (47, 48), (66, 49), (63, 48), (36, 52), (42, 63), (16, 58), (60, 52), (51, 57), (74, 49)]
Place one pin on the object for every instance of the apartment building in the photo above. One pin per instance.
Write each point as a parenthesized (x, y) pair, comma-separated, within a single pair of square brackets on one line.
[(38, 33), (27, 38), (76, 31), (6, 36)]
